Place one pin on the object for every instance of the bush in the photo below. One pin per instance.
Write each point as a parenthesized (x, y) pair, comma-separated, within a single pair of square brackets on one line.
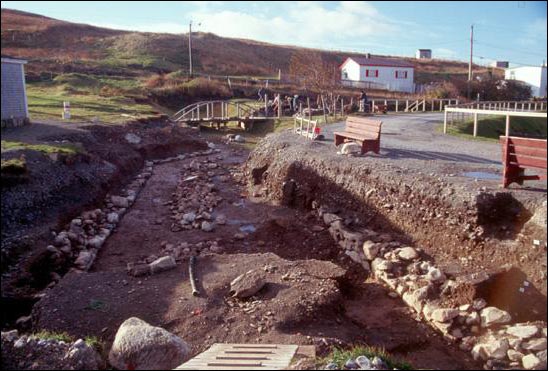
[(490, 89), (445, 90)]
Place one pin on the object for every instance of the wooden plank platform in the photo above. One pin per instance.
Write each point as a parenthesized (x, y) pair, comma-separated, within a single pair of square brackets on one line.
[(242, 357)]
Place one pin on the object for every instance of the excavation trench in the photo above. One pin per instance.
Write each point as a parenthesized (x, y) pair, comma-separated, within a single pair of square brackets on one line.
[(308, 300)]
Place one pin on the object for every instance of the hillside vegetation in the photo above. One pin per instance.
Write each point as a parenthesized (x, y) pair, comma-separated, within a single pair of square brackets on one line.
[(55, 46)]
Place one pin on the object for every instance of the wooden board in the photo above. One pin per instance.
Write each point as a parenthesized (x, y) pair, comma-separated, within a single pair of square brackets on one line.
[(242, 357)]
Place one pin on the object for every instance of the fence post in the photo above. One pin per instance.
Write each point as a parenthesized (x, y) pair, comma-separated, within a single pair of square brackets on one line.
[(279, 106), (475, 124), (266, 105), (424, 105), (507, 125), (397, 104), (406, 105), (445, 123)]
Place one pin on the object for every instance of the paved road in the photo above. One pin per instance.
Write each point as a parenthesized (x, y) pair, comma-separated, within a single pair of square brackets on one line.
[(415, 136)]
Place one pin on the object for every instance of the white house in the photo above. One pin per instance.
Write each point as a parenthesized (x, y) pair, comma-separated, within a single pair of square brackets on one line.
[(378, 73), (15, 110), (535, 77)]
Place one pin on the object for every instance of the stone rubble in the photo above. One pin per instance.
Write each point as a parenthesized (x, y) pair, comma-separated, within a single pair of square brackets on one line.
[(485, 331)]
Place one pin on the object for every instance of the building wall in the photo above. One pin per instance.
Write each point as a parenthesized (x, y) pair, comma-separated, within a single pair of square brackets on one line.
[(352, 70), (423, 54), (387, 76), (14, 96), (533, 76)]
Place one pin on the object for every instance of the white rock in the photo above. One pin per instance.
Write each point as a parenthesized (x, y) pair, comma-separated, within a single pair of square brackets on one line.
[(408, 253), (473, 319), (189, 217), (522, 332), (479, 304), (379, 264), (162, 264), (350, 148), (220, 220), (96, 242), (239, 139), (85, 259), (370, 249), (10, 335), (494, 316), (493, 348), (531, 362), (145, 347), (444, 314)]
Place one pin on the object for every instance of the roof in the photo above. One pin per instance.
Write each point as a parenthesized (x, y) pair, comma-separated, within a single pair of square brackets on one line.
[(381, 62), (8, 59)]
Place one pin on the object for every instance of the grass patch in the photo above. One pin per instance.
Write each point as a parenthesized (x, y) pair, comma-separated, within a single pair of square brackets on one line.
[(69, 149), (492, 127), (340, 356), (58, 336), (15, 166), (45, 102), (95, 343)]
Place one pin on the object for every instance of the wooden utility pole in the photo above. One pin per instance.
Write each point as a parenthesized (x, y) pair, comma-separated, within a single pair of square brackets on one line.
[(190, 48), (471, 58)]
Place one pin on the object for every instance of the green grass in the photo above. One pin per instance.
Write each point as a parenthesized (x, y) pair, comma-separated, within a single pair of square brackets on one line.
[(492, 127), (69, 149), (340, 356), (59, 336), (45, 100), (94, 342)]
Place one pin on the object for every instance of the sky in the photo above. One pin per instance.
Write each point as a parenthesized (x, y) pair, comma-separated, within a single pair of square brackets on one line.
[(512, 31)]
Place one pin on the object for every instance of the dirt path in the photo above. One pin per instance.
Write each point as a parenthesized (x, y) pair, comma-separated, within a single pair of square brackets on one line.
[(312, 306)]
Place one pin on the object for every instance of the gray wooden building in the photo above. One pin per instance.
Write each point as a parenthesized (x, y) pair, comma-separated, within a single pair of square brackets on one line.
[(15, 110)]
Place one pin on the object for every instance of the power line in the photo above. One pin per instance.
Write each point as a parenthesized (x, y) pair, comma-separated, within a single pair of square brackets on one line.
[(508, 49)]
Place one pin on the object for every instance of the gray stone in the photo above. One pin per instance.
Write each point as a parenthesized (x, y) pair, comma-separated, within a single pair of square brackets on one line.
[(143, 347), (444, 314), (207, 226), (473, 319), (493, 316), (522, 332), (435, 275), (364, 362), (132, 138), (479, 304), (351, 365), (119, 201), (84, 260), (514, 355), (408, 253), (370, 249), (239, 139), (162, 264), (113, 218), (329, 218), (492, 348), (382, 265), (10, 335), (95, 242), (379, 364), (331, 366), (189, 217), (220, 220), (535, 345), (247, 284)]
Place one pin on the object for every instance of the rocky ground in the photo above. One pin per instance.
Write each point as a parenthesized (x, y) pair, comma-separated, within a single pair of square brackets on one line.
[(319, 243)]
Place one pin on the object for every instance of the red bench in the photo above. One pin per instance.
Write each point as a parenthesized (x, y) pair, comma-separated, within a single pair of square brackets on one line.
[(363, 130), (519, 154)]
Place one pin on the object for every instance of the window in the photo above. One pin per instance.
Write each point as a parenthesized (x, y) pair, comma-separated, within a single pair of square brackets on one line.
[(401, 74), (345, 75), (371, 73)]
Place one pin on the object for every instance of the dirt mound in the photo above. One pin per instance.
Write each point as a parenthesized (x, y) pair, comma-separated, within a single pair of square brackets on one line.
[(466, 229)]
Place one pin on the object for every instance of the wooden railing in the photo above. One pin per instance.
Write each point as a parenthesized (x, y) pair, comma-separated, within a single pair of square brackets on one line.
[(218, 110), (311, 131)]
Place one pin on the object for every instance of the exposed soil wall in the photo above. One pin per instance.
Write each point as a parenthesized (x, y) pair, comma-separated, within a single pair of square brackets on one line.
[(465, 228), (58, 187)]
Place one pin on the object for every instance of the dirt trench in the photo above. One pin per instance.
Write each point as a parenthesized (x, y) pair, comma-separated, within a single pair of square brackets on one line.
[(312, 305)]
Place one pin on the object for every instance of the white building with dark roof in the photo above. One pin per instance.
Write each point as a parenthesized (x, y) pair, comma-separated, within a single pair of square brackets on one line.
[(15, 110), (534, 76), (378, 73)]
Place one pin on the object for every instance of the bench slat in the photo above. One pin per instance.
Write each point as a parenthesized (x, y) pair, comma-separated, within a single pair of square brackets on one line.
[(365, 132), (355, 136), (526, 142), (525, 161), (528, 151)]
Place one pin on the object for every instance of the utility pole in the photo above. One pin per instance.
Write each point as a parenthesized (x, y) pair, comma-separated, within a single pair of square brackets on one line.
[(190, 48), (471, 58)]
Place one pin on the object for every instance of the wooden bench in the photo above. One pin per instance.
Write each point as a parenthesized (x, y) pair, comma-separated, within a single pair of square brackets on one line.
[(519, 154), (361, 129)]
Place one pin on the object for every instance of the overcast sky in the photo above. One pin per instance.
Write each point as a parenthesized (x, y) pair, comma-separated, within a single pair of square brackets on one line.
[(506, 30)]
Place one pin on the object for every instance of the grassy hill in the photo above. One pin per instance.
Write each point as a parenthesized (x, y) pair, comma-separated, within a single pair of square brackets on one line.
[(55, 46)]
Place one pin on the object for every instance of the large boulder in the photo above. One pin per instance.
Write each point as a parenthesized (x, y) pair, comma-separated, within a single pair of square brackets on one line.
[(140, 346), (247, 284), (164, 263)]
